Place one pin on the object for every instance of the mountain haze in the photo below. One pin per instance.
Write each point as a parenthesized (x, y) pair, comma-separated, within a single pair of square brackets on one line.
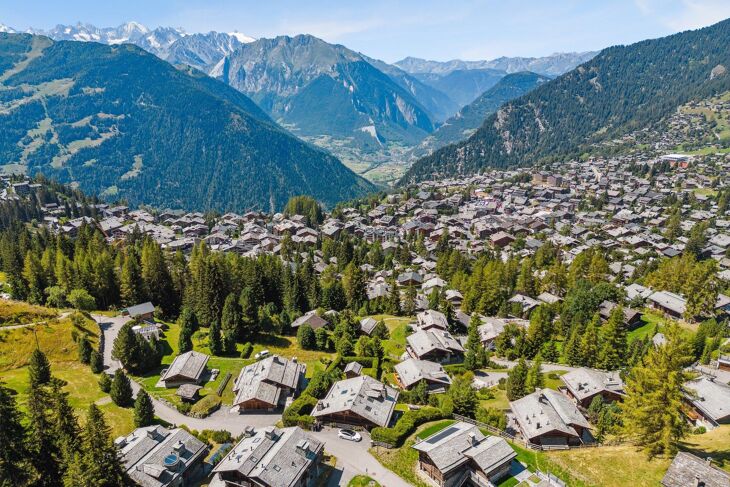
[(471, 117), (119, 121), (621, 89)]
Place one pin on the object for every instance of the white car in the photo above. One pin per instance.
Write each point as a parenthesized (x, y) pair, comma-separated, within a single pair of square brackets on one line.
[(349, 435), (261, 354)]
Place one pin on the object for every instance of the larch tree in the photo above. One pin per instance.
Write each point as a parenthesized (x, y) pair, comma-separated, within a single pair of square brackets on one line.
[(653, 415)]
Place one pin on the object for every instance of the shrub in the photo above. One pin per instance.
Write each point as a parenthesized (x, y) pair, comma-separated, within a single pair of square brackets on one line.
[(205, 406), (105, 382), (306, 337), (455, 369), (81, 299), (700, 430), (297, 414), (246, 350), (184, 407), (553, 376), (406, 425)]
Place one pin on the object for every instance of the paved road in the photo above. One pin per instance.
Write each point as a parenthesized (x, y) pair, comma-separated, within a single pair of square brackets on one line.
[(545, 367), (352, 458)]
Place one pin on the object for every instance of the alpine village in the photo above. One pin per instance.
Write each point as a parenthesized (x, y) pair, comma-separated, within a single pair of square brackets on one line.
[(278, 262)]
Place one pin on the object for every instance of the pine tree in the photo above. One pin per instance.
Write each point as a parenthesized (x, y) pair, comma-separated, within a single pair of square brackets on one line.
[(132, 287), (188, 325), (100, 457), (613, 351), (653, 415), (124, 348), (65, 426), (572, 350), (535, 379), (121, 389), (144, 410), (75, 474), (156, 277), (409, 304), (105, 382), (231, 324), (45, 451), (85, 349), (39, 369), (517, 381), (96, 363), (14, 455), (214, 338), (589, 343), (549, 351), (475, 356)]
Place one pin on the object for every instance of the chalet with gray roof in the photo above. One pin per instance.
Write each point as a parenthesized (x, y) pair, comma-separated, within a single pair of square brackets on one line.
[(271, 457), (430, 318), (689, 470), (709, 400), (434, 344), (411, 371), (549, 418), (367, 325), (360, 401), (187, 368), (155, 456), (461, 454), (144, 311), (266, 384), (584, 384), (310, 318)]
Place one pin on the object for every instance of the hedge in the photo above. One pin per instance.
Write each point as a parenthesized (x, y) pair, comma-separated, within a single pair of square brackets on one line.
[(205, 406), (406, 425), (366, 362), (297, 414), (334, 364)]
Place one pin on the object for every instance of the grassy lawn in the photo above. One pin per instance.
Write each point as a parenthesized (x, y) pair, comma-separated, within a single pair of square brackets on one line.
[(54, 338), (434, 428), (395, 346), (363, 481), (554, 383), (499, 401), (277, 345), (20, 313), (83, 389), (652, 320)]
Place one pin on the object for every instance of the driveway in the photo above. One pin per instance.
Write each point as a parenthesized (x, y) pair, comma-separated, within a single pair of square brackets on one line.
[(353, 459), (110, 326)]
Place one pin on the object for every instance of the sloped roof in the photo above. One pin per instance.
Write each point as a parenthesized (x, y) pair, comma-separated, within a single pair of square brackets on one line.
[(264, 380), (189, 365), (585, 382), (361, 395), (687, 468), (413, 370), (547, 410), (273, 456)]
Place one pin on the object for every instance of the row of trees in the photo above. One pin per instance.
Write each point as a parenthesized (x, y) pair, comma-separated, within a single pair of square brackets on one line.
[(46, 446)]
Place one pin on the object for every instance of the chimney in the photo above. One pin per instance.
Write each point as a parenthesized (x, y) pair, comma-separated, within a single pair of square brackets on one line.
[(709, 461), (473, 439), (698, 482)]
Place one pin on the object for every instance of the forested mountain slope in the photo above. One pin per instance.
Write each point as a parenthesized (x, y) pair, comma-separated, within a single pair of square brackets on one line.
[(118, 121), (470, 118), (623, 88)]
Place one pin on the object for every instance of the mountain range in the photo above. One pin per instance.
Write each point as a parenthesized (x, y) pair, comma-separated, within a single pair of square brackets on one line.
[(118, 121), (621, 89), (363, 110), (470, 118), (552, 65)]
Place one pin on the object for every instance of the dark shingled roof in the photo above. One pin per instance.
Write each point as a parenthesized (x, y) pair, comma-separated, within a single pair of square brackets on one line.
[(686, 469)]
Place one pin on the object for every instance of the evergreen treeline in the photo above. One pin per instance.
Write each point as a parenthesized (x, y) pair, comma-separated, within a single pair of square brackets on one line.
[(623, 88), (47, 446)]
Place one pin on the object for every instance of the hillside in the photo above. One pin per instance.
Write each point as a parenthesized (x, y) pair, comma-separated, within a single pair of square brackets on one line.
[(118, 121), (323, 90), (463, 85), (470, 118), (622, 89)]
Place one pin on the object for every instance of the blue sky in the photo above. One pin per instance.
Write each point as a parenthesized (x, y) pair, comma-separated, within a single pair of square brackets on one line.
[(393, 29)]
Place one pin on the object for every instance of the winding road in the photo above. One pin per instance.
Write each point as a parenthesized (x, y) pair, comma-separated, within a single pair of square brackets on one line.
[(352, 458)]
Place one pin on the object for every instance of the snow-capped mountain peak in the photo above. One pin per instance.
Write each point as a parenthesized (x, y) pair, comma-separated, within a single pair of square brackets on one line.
[(240, 37), (6, 29)]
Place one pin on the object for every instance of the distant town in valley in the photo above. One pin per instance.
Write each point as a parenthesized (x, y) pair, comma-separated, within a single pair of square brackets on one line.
[(239, 262)]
